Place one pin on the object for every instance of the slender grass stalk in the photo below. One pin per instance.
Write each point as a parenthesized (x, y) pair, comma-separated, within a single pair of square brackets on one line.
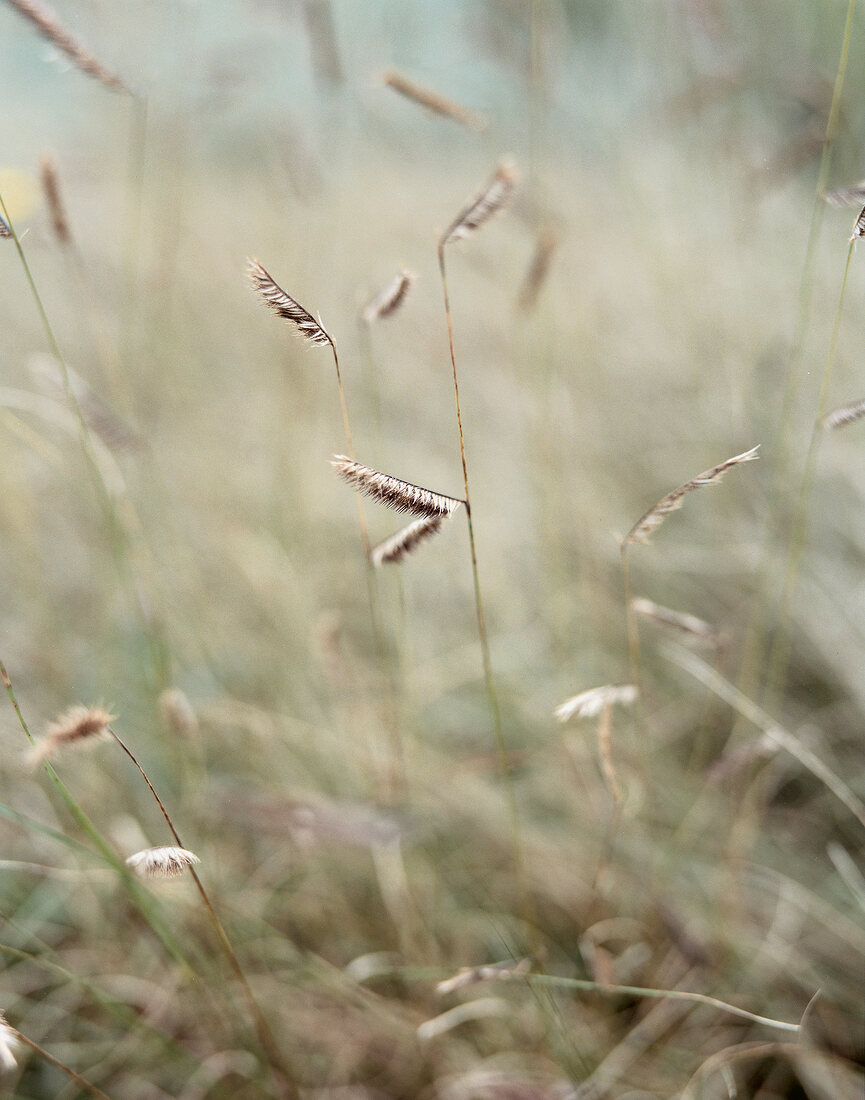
[(80, 1081), (635, 664), (755, 642), (779, 650), (501, 750), (265, 1036)]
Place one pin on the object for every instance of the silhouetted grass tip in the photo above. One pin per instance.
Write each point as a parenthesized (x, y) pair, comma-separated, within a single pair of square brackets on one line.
[(390, 299), (846, 414), (652, 520), (489, 200), (283, 305), (78, 727), (589, 704), (161, 862), (401, 496)]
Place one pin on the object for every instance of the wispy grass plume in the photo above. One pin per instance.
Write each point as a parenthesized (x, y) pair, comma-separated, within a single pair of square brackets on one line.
[(590, 703), (46, 23), (400, 496), (859, 227), (847, 196), (78, 727), (166, 862), (434, 101), (645, 527), (5, 231), (283, 305)]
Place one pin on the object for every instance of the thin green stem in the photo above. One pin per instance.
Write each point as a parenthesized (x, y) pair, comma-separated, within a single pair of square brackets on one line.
[(779, 651), (80, 1081), (756, 635), (504, 767)]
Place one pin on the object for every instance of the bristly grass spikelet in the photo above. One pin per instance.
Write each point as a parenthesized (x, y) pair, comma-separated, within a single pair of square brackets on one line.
[(165, 862), (49, 28), (78, 727), (489, 201), (859, 227), (652, 520), (5, 231), (846, 414), (399, 545), (590, 703), (400, 496), (435, 102), (390, 299), (8, 1044), (283, 305)]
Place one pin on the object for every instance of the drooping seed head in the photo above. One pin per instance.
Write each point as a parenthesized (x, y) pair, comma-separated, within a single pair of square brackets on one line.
[(283, 305), (399, 545), (847, 414), (8, 1044), (5, 231), (390, 299), (401, 496), (161, 862), (589, 704), (489, 201)]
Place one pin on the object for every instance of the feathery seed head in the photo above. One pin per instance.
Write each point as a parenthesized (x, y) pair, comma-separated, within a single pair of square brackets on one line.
[(177, 712), (77, 727), (847, 414), (488, 201), (390, 299), (859, 227), (5, 231), (401, 496), (161, 862), (283, 305), (406, 540), (589, 704), (652, 520)]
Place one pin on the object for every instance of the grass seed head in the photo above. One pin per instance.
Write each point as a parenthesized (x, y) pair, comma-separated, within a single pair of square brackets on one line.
[(401, 496), (161, 862), (78, 727), (390, 299), (847, 414), (398, 546), (283, 305), (589, 704), (8, 1043), (492, 198), (5, 231)]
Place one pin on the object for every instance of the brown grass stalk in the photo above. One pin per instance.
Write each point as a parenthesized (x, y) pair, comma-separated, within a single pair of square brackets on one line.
[(434, 101), (47, 25)]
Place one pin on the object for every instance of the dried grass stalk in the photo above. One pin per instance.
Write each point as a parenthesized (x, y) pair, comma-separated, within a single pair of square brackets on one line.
[(847, 196), (605, 751), (161, 862), (859, 227), (489, 200), (401, 496), (5, 231), (652, 520), (51, 187), (114, 432), (398, 546), (49, 28), (390, 299), (591, 703), (471, 975), (77, 727), (538, 270), (677, 620), (8, 1044), (283, 305), (847, 414), (439, 104)]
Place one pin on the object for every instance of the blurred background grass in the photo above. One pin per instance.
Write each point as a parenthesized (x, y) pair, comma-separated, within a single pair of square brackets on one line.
[(672, 149)]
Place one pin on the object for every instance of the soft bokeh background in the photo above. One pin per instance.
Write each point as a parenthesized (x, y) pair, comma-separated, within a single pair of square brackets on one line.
[(344, 803)]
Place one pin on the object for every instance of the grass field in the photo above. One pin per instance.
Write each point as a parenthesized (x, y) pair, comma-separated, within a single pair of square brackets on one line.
[(669, 889)]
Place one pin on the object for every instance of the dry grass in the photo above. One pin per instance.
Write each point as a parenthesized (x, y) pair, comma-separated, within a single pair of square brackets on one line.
[(677, 864)]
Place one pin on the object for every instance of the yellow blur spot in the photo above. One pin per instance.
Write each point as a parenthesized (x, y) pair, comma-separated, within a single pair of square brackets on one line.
[(20, 191)]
